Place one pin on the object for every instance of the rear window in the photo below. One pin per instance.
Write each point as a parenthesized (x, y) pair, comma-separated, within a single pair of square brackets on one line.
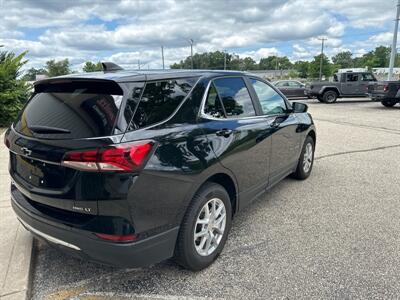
[(68, 110), (157, 102)]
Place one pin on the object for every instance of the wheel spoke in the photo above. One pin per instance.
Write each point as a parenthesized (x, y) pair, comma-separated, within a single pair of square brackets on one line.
[(203, 221), (199, 234), (208, 243), (202, 242)]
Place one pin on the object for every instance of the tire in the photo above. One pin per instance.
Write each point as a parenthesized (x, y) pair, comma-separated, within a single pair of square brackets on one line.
[(190, 253), (320, 99), (329, 97), (389, 102), (302, 172)]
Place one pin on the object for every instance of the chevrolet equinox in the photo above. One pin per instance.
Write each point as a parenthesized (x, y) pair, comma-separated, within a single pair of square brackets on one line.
[(131, 168)]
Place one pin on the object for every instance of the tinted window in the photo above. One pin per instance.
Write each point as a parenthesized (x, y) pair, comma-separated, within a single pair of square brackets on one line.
[(159, 100), (271, 102), (368, 77), (352, 77), (235, 97), (83, 109), (213, 105), (294, 84)]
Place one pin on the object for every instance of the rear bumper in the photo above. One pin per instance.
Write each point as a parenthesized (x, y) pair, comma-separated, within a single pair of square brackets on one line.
[(377, 96), (86, 246)]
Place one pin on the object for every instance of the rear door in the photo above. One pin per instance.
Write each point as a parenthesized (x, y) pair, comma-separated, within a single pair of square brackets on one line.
[(239, 136), (296, 89), (62, 116), (285, 139)]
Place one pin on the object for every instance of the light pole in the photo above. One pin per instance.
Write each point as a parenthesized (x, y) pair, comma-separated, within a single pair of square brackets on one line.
[(322, 54), (394, 44), (162, 56), (224, 59), (191, 51)]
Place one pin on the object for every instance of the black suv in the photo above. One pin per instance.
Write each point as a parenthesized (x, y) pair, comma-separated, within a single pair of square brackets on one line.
[(131, 168)]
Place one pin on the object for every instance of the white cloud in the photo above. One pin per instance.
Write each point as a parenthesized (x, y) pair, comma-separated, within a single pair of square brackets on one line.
[(124, 30)]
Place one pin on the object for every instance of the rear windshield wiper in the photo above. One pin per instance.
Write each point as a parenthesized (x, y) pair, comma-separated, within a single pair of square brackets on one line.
[(47, 129)]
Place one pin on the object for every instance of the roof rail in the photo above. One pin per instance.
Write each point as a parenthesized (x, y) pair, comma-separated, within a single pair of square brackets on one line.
[(110, 67)]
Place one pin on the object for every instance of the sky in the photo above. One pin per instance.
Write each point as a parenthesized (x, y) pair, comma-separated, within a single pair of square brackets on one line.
[(125, 31)]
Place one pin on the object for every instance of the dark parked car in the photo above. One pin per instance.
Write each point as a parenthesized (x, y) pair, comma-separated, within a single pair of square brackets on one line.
[(131, 168), (386, 92), (292, 88), (348, 84)]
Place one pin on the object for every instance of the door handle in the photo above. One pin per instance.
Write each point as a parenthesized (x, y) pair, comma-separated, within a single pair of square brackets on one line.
[(224, 132)]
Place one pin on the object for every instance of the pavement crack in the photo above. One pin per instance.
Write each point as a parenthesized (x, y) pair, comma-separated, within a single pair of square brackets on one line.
[(357, 151), (385, 129)]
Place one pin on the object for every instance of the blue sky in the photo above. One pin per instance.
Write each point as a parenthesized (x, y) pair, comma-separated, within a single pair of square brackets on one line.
[(126, 31)]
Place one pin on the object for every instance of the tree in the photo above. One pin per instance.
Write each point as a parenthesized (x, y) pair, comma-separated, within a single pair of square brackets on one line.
[(302, 68), (92, 67), (13, 91), (343, 60), (57, 68), (313, 68), (382, 56), (248, 64), (30, 75)]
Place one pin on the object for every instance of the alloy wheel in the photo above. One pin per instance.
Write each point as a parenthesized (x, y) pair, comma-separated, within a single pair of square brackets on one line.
[(308, 158), (210, 227)]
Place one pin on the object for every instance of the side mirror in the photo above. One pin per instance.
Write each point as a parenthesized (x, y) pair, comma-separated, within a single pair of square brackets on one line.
[(299, 107)]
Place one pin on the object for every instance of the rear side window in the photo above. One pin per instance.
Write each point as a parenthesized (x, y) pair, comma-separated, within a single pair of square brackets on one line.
[(351, 77), (213, 106), (71, 110), (158, 101), (368, 77), (235, 97)]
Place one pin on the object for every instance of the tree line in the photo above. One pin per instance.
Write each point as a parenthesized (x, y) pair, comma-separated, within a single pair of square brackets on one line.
[(379, 57)]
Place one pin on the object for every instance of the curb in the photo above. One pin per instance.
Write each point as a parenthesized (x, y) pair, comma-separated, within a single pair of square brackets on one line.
[(17, 244)]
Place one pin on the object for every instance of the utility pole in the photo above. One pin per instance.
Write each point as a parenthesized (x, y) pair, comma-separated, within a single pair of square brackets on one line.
[(394, 44), (322, 54), (276, 66), (191, 51), (162, 56), (224, 59)]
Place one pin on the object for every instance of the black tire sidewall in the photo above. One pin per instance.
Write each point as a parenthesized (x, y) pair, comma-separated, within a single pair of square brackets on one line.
[(189, 257), (300, 173), (389, 103), (325, 96)]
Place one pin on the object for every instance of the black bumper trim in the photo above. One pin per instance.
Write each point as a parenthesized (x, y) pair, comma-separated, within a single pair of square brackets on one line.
[(137, 254)]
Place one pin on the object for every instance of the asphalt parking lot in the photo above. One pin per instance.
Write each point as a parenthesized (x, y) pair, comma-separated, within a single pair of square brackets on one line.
[(335, 235)]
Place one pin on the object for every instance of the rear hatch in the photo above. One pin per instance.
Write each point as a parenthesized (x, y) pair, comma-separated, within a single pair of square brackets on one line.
[(63, 115)]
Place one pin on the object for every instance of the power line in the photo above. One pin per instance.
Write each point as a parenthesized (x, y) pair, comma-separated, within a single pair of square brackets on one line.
[(322, 54)]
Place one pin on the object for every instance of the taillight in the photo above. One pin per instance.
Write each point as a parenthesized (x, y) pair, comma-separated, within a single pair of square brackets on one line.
[(386, 88), (116, 238), (121, 158)]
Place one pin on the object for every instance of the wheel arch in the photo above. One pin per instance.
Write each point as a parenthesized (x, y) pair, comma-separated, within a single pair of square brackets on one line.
[(330, 88)]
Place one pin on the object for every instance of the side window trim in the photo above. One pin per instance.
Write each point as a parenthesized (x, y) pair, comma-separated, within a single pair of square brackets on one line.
[(287, 103), (202, 113), (173, 113), (219, 98), (137, 104)]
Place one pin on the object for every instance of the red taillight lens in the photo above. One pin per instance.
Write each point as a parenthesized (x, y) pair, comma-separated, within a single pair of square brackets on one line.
[(123, 158), (117, 238), (386, 88)]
